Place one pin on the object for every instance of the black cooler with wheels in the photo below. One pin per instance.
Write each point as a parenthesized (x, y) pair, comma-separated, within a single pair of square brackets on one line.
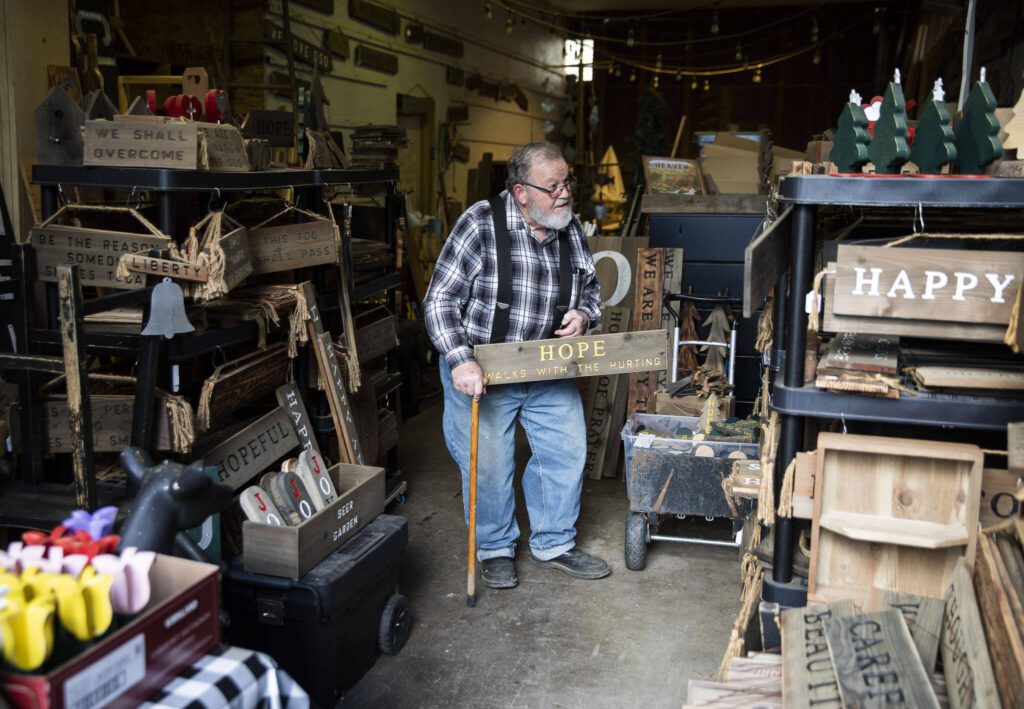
[(326, 628)]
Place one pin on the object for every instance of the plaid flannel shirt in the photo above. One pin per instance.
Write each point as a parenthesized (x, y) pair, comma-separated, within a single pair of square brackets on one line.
[(460, 302)]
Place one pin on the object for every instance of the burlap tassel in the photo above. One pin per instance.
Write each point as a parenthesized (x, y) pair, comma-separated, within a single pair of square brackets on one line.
[(786, 494), (297, 323), (203, 415), (765, 329), (766, 496), (751, 598), (814, 319), (1010, 338), (261, 332), (761, 402), (122, 273), (183, 433)]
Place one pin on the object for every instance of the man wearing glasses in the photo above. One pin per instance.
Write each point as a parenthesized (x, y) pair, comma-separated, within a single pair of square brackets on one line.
[(516, 268)]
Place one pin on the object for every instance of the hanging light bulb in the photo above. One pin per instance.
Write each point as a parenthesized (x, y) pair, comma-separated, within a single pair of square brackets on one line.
[(618, 72), (739, 52), (877, 27), (631, 38), (814, 31), (757, 76), (707, 84), (487, 10), (714, 21), (632, 75), (657, 63), (816, 60), (693, 84), (508, 25), (655, 81), (679, 76)]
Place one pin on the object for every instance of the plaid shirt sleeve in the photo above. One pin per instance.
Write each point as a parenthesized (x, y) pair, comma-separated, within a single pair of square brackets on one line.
[(458, 265)]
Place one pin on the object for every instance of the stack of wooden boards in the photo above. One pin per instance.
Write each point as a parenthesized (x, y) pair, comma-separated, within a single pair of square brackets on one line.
[(737, 165), (376, 147)]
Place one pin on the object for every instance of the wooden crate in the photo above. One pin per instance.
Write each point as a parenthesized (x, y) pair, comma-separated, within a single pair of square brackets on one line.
[(292, 551), (891, 513), (998, 581)]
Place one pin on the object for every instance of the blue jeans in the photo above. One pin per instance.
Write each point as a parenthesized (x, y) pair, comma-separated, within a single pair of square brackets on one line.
[(552, 416)]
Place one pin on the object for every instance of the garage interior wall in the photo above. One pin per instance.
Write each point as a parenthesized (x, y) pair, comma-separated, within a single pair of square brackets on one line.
[(359, 96), (32, 35)]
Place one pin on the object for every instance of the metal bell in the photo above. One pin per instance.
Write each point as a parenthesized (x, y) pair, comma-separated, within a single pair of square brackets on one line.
[(167, 311)]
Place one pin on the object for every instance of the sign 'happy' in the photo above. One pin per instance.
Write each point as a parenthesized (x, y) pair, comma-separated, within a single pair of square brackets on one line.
[(927, 284)]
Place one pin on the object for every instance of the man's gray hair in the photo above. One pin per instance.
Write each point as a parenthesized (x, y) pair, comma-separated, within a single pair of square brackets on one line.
[(525, 156)]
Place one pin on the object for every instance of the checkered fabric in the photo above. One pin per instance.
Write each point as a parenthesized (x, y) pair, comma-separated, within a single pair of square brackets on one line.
[(460, 302), (231, 677)]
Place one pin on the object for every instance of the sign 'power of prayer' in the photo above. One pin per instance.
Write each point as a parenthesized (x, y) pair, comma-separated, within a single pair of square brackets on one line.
[(927, 284), (568, 357)]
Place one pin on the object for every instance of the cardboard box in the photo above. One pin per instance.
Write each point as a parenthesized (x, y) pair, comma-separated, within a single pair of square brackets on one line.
[(292, 551), (180, 624)]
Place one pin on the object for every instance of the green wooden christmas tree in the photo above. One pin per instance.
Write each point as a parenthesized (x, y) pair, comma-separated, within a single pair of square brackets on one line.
[(850, 143), (933, 141), (977, 142), (889, 149)]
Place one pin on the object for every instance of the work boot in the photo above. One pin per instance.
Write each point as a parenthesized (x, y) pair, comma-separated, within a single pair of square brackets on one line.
[(499, 572), (576, 563)]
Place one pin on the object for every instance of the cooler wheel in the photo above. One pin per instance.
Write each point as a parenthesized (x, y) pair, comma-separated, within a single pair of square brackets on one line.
[(395, 624)]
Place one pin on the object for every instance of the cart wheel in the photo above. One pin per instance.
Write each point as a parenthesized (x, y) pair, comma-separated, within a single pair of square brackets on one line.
[(395, 623), (636, 540)]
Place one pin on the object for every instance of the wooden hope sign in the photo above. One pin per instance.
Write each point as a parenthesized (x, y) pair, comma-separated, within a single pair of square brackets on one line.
[(173, 144), (569, 357), (927, 284)]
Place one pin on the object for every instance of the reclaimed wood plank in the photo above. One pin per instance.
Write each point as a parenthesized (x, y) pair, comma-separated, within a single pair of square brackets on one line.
[(764, 260), (1000, 614), (647, 308), (965, 657), (76, 369), (923, 616), (601, 397), (153, 266), (807, 675), (862, 353), (876, 662)]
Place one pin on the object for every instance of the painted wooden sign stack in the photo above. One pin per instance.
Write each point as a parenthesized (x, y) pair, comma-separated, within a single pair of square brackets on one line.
[(883, 136), (191, 130)]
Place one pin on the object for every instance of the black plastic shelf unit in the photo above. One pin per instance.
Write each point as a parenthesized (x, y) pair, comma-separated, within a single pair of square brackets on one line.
[(958, 192), (166, 180)]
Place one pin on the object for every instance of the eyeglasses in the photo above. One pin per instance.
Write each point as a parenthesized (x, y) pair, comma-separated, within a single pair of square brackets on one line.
[(569, 183)]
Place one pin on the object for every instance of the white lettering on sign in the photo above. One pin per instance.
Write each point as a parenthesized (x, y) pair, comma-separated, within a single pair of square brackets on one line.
[(624, 276), (345, 528), (107, 678), (935, 281)]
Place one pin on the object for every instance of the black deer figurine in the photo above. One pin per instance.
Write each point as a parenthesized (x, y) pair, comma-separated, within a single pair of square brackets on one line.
[(172, 498)]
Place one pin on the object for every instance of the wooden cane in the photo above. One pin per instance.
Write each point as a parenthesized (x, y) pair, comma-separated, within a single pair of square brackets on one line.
[(474, 435)]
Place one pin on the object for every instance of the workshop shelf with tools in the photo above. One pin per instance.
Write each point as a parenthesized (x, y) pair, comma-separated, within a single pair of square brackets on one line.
[(389, 353)]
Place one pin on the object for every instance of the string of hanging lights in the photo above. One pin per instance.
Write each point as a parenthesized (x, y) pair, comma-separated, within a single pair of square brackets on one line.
[(743, 63), (630, 40)]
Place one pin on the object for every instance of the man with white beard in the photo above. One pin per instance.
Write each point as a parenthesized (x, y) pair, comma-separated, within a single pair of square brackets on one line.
[(517, 268)]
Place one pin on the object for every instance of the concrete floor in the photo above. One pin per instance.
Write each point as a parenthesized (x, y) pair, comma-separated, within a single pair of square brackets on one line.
[(633, 639)]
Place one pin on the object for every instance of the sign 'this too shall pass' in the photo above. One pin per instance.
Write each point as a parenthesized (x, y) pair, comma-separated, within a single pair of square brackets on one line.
[(570, 357)]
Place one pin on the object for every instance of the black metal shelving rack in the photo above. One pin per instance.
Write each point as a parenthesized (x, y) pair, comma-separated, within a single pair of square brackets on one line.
[(792, 399), (167, 185)]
